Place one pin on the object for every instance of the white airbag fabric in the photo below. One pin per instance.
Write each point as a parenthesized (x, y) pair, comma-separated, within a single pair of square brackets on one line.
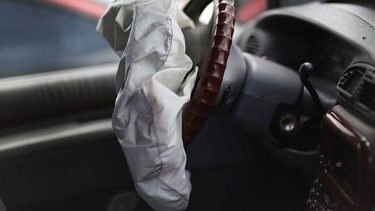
[(151, 92)]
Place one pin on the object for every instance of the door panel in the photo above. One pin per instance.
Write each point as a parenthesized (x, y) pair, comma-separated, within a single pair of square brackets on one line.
[(57, 147)]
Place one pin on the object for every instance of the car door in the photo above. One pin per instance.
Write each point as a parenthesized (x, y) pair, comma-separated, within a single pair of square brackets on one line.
[(57, 148)]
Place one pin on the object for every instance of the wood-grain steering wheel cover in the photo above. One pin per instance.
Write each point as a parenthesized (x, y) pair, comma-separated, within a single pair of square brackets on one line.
[(204, 98)]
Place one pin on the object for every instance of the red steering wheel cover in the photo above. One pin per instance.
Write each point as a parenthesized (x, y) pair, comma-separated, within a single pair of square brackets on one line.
[(207, 90)]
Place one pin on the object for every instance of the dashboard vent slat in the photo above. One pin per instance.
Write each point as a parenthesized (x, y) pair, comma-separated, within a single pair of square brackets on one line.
[(366, 94), (253, 45), (356, 89), (350, 80)]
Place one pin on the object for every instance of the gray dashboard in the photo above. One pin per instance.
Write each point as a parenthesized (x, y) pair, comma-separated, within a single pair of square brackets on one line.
[(350, 25), (338, 39), (334, 37)]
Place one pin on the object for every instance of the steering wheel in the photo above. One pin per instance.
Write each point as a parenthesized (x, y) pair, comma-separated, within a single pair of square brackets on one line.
[(212, 63)]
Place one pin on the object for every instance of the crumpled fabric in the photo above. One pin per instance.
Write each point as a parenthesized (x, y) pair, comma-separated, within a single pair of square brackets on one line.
[(153, 83)]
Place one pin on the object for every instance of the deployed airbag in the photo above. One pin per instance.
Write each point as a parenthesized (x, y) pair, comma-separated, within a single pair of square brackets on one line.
[(153, 83)]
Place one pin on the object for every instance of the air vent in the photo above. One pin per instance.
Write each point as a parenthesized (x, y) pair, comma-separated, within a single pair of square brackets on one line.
[(253, 45), (366, 94), (350, 80)]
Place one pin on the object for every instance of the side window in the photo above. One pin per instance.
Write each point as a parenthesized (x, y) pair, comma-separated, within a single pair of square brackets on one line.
[(38, 38)]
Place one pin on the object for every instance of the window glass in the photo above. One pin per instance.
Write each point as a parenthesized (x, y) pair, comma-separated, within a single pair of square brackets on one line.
[(38, 38)]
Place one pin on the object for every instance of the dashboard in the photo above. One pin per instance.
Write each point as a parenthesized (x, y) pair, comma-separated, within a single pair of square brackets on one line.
[(333, 37), (338, 39), (290, 42), (293, 40)]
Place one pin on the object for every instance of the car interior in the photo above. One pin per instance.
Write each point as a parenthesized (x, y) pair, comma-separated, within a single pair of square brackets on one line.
[(291, 127)]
